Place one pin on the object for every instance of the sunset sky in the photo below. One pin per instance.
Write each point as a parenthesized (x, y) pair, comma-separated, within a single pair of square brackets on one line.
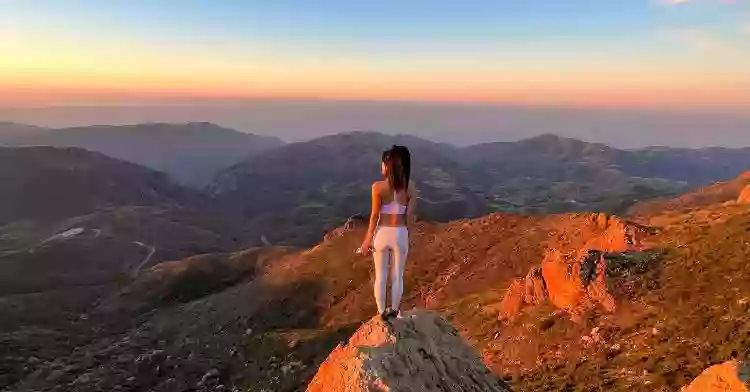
[(692, 54)]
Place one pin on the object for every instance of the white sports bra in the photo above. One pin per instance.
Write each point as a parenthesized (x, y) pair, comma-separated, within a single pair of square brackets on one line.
[(393, 208)]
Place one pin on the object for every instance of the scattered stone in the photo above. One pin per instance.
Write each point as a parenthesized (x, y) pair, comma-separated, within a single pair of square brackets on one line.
[(292, 366), (55, 375), (83, 379), (210, 379)]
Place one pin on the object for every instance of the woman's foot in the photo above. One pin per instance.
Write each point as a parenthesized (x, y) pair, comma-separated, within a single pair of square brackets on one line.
[(391, 313)]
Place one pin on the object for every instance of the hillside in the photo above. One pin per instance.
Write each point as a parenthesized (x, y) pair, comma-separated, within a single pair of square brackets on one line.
[(191, 153), (45, 183), (717, 193), (559, 159), (680, 303), (75, 226), (299, 191)]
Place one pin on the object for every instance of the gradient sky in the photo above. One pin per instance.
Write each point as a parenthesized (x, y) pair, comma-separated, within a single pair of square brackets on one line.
[(692, 54)]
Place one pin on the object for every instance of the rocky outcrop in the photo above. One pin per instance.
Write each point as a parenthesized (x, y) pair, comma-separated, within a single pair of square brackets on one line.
[(744, 196), (575, 281), (616, 235), (421, 352), (531, 290), (535, 290), (513, 300), (732, 376)]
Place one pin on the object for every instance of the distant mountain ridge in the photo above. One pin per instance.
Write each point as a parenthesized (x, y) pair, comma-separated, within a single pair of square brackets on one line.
[(191, 153), (293, 193), (47, 183), (305, 188), (694, 166)]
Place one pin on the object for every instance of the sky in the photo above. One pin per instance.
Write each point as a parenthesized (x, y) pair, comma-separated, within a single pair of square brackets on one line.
[(690, 55)]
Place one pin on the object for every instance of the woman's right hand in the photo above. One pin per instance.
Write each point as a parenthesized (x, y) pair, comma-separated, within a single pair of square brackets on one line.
[(365, 248)]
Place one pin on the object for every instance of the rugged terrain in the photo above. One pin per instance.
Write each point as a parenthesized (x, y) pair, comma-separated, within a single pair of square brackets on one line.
[(264, 319), (75, 226), (116, 278)]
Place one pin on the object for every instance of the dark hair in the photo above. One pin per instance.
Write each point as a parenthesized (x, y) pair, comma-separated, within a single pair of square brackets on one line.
[(398, 161)]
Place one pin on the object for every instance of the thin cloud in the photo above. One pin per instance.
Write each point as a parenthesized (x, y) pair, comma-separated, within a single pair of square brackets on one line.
[(683, 2), (746, 27), (696, 38)]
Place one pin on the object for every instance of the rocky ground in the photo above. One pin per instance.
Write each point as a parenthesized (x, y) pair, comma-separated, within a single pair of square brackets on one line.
[(573, 302)]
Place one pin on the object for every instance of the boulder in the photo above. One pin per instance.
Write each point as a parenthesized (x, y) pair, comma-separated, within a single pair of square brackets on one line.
[(562, 278), (513, 300), (596, 286), (535, 291), (744, 196), (732, 376), (576, 282), (421, 352), (616, 235), (530, 291)]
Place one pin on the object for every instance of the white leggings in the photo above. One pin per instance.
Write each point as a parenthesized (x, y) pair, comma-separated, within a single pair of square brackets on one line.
[(390, 243)]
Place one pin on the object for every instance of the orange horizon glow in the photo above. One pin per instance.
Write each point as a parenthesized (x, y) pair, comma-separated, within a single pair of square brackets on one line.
[(722, 97), (670, 68)]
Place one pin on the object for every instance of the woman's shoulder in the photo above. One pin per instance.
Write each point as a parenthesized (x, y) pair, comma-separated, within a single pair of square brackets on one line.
[(379, 185)]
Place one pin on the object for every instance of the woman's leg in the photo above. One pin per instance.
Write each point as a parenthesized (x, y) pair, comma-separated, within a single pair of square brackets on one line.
[(380, 255), (400, 252)]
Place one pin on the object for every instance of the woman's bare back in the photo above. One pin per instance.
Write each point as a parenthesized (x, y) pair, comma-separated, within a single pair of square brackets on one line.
[(387, 194)]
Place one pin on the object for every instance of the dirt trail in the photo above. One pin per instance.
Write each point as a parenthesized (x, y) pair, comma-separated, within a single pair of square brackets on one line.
[(151, 251)]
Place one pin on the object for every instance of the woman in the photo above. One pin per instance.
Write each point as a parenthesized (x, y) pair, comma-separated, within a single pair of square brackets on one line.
[(393, 202)]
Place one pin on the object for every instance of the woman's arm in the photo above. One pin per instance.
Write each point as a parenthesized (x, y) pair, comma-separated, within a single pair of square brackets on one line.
[(412, 206), (374, 214)]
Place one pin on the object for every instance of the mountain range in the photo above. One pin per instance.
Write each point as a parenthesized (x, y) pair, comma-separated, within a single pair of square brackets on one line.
[(191, 153), (293, 193), (115, 276), (302, 189)]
